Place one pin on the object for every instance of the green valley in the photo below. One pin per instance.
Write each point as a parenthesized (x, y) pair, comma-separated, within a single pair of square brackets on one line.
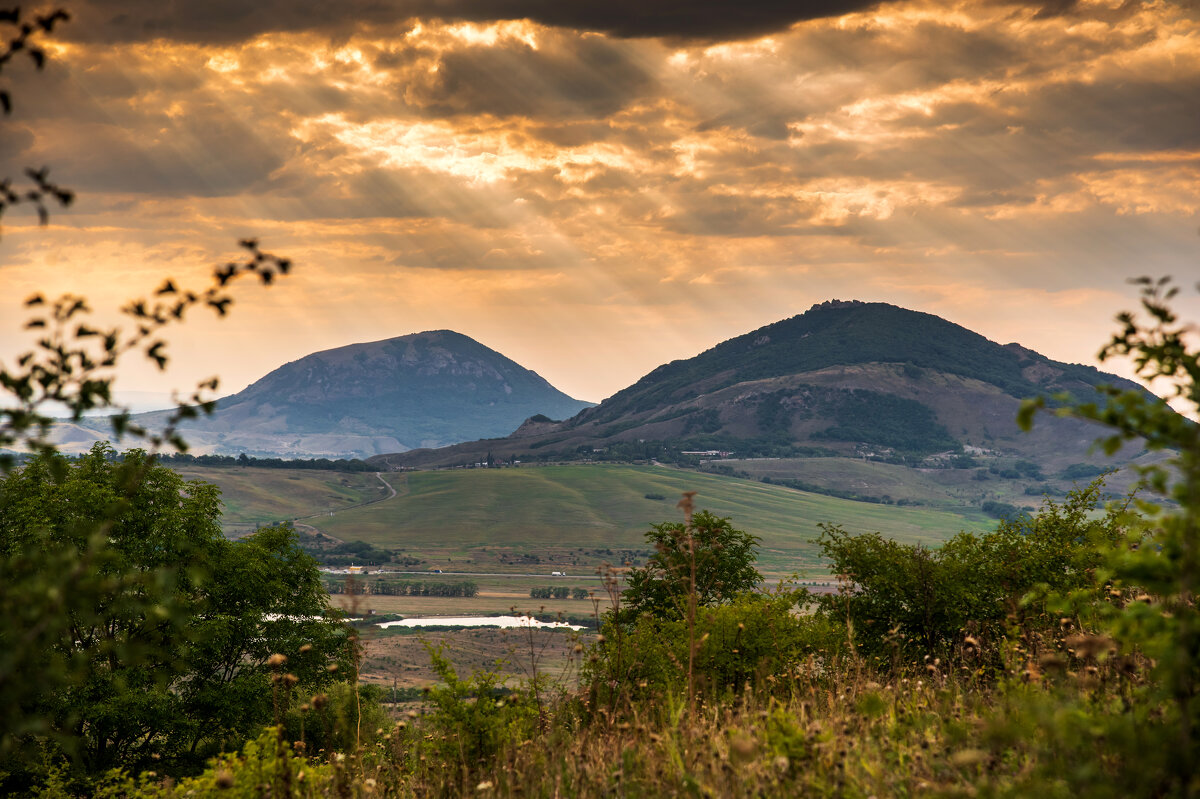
[(530, 517)]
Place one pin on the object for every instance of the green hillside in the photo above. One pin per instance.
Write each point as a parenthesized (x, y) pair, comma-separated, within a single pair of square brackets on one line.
[(845, 333), (533, 509), (264, 496)]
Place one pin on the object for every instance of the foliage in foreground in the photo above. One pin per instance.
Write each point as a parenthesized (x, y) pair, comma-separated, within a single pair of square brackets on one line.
[(152, 647), (706, 559)]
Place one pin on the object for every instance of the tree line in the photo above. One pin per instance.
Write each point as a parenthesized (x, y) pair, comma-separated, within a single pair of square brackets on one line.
[(558, 592), (226, 461), (464, 588)]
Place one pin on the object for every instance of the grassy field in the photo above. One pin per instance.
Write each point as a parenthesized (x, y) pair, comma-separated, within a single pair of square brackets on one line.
[(947, 489), (955, 490), (263, 496), (538, 519), (541, 518)]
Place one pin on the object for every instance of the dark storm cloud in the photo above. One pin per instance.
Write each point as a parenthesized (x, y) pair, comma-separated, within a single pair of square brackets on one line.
[(233, 20), (1014, 139), (226, 21), (714, 20)]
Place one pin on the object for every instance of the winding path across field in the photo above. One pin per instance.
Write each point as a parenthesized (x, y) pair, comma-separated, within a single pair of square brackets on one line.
[(392, 494)]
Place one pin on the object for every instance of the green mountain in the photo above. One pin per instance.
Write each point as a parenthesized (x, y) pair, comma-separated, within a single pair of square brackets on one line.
[(847, 333), (423, 390), (849, 380)]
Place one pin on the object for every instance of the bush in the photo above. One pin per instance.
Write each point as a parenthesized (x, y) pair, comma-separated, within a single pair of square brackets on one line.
[(907, 601), (471, 720), (337, 720), (1002, 510), (749, 640)]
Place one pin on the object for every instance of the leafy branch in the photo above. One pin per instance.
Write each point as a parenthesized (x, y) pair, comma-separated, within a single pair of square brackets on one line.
[(24, 41), (72, 361)]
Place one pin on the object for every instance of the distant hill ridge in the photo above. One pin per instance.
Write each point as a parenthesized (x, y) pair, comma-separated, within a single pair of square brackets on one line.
[(865, 379), (849, 332), (426, 389)]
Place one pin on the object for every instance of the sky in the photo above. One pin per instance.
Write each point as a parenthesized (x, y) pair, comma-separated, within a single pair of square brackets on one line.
[(597, 188)]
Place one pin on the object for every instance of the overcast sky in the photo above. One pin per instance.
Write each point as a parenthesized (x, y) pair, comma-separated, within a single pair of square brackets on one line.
[(596, 188)]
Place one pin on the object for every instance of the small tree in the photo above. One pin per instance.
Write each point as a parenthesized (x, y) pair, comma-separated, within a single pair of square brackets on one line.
[(720, 557)]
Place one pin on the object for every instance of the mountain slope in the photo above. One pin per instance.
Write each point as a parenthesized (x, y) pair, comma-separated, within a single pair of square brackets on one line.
[(422, 390), (845, 378), (840, 333)]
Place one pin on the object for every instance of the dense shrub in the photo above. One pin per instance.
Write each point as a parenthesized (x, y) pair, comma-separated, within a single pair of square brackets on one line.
[(471, 720), (336, 720), (1002, 510), (752, 638), (906, 600)]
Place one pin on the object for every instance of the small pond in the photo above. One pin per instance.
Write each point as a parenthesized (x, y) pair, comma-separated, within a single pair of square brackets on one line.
[(478, 621)]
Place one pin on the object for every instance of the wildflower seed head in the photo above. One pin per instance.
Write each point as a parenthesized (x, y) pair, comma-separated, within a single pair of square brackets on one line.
[(742, 746)]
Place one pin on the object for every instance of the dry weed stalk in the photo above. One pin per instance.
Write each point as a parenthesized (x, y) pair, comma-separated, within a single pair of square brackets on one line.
[(686, 503)]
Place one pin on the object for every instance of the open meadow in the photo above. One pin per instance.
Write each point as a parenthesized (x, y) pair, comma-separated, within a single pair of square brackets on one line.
[(574, 517), (254, 497)]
